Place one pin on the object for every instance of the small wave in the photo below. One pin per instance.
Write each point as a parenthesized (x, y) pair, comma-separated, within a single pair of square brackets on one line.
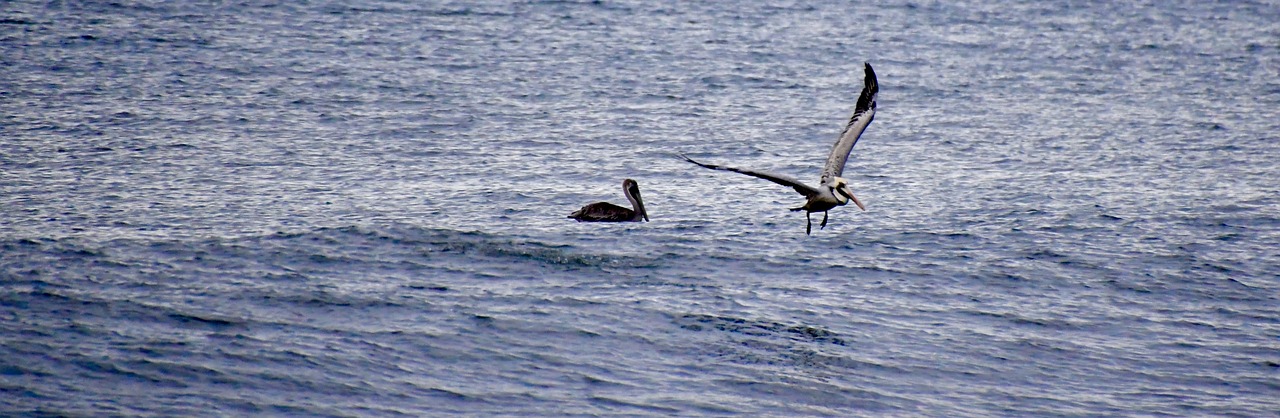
[(447, 243), (206, 320), (757, 328)]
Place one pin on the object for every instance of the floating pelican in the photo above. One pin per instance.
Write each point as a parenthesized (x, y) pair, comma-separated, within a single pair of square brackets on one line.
[(608, 212), (833, 190)]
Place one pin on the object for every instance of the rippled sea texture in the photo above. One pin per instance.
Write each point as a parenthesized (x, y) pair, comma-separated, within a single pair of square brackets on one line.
[(357, 208)]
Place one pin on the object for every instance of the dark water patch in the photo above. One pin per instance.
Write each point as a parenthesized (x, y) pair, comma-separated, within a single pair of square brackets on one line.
[(1025, 319), (327, 299), (204, 321), (25, 299), (436, 288), (430, 243), (448, 394), (755, 328), (17, 21)]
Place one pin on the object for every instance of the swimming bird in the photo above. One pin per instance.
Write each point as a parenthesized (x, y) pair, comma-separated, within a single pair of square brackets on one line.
[(833, 190), (608, 212)]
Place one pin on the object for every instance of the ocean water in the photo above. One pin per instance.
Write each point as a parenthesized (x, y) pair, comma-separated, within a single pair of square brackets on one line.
[(358, 209)]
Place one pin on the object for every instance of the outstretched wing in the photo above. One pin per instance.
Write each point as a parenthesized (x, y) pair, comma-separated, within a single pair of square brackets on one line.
[(776, 178), (862, 115)]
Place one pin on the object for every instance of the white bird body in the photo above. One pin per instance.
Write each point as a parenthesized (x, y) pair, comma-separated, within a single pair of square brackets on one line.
[(833, 190)]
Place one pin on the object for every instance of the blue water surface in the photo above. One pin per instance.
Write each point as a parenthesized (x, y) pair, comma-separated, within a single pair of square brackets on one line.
[(357, 208)]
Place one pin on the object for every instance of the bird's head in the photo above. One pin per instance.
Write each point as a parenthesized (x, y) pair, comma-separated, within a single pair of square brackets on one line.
[(840, 188)]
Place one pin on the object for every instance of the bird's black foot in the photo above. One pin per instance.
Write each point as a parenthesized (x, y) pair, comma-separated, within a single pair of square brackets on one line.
[(824, 221), (808, 224)]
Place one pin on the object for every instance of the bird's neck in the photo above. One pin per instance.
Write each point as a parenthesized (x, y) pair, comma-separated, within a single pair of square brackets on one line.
[(637, 207)]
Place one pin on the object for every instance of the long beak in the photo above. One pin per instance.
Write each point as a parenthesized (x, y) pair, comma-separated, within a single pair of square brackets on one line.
[(849, 194)]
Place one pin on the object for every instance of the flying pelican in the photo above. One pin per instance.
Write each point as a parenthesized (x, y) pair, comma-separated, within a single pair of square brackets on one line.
[(608, 212), (833, 190)]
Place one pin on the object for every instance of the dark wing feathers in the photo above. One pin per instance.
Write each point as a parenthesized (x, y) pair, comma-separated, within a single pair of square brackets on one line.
[(776, 178), (603, 212), (863, 113)]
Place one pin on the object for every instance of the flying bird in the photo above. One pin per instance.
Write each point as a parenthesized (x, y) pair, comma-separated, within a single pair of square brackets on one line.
[(833, 190), (608, 212)]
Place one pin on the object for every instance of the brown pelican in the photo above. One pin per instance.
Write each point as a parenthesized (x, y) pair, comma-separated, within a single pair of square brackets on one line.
[(608, 212), (833, 190)]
